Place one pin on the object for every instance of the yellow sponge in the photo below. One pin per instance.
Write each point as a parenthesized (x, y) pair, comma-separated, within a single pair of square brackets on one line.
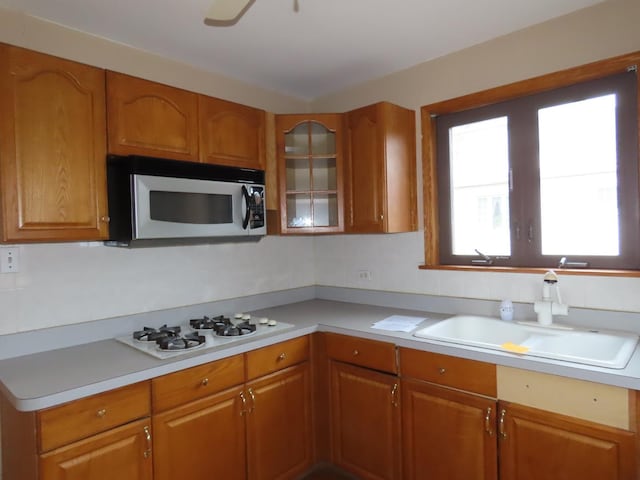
[(512, 347)]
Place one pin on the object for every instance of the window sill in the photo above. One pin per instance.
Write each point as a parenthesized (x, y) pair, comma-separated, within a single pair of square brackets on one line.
[(537, 270)]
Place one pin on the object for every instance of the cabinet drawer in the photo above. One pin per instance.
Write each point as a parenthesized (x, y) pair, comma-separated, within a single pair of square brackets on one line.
[(81, 418), (460, 373), (276, 357), (197, 382), (360, 351)]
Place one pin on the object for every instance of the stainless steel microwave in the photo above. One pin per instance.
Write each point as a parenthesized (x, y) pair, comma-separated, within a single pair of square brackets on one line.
[(152, 199)]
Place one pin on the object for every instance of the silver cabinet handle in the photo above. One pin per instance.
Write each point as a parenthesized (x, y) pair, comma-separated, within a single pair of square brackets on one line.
[(503, 433), (487, 422), (147, 434), (244, 404), (394, 395), (253, 400)]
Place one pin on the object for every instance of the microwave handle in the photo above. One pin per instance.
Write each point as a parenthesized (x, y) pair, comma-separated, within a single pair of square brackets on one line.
[(247, 201)]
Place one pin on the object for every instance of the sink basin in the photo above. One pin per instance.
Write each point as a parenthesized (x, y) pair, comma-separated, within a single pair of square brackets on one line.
[(599, 348)]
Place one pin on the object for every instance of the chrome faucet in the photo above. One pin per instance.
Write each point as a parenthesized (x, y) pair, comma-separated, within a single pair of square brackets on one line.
[(547, 308)]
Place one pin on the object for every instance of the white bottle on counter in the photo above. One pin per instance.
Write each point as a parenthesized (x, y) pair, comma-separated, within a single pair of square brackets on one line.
[(506, 310)]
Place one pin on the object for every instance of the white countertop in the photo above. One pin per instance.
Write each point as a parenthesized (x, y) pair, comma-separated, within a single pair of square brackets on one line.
[(41, 380)]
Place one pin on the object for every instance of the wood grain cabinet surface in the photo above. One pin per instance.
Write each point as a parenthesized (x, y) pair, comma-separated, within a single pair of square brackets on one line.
[(364, 405), (243, 417), (381, 170), (365, 422), (362, 351), (447, 434), (202, 439), (123, 453), (104, 436), (231, 134), (279, 428), (454, 427), (151, 119), (536, 444), (52, 148)]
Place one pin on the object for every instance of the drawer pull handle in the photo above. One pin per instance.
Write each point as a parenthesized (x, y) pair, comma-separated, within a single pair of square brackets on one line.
[(101, 413), (503, 434), (442, 371), (487, 422), (147, 434), (204, 382), (282, 356), (356, 353)]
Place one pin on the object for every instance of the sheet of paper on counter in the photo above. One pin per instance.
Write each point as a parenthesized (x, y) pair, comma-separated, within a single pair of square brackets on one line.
[(398, 323)]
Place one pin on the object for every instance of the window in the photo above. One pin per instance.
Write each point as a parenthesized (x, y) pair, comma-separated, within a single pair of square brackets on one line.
[(535, 179)]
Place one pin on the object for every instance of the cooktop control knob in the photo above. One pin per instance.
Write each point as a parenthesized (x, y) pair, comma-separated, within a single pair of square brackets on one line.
[(272, 323)]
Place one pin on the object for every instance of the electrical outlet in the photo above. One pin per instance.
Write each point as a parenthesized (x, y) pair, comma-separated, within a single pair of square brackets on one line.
[(9, 260), (364, 275)]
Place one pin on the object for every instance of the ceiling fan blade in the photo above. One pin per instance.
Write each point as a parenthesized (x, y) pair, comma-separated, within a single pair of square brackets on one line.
[(227, 10)]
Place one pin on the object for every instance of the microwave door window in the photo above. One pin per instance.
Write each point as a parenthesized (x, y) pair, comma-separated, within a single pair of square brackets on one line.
[(182, 207), (191, 208)]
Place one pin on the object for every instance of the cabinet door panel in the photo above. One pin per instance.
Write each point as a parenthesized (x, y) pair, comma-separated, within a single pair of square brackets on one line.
[(365, 171), (231, 134), (538, 444), (116, 454), (279, 435), (310, 173), (447, 435), (148, 118), (203, 440), (365, 422), (52, 148)]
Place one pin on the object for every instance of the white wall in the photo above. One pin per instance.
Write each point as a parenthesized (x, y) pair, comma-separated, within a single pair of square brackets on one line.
[(68, 283), (61, 284), (599, 32)]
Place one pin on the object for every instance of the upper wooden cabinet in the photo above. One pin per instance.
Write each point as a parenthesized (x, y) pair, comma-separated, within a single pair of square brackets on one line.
[(381, 170), (148, 118), (231, 134), (52, 148), (310, 179)]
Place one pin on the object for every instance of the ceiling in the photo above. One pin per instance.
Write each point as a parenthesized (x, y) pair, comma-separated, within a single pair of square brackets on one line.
[(326, 46)]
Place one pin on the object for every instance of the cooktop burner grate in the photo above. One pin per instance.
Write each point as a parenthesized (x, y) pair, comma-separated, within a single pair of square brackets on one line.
[(199, 334)]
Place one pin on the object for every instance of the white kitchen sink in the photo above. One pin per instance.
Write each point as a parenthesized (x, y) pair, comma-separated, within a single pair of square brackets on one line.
[(610, 349)]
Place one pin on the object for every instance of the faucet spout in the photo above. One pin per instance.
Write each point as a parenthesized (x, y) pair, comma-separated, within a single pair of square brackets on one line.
[(547, 307)]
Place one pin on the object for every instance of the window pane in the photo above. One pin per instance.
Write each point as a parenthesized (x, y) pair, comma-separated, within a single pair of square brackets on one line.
[(578, 180), (479, 167)]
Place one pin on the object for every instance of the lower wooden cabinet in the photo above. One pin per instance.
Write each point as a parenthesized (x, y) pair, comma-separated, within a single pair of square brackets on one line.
[(209, 423), (447, 434), (202, 440), (101, 437), (123, 453), (279, 436), (536, 444), (365, 422)]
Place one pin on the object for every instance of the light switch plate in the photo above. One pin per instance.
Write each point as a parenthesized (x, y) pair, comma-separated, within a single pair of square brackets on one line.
[(9, 260)]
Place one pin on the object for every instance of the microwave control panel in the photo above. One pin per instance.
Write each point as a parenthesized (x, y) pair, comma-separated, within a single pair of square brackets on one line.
[(256, 206)]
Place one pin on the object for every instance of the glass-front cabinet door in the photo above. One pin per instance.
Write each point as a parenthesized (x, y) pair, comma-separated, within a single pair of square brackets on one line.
[(310, 173)]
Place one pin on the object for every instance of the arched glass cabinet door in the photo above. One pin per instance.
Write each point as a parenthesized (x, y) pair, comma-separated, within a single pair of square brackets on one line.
[(312, 177)]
